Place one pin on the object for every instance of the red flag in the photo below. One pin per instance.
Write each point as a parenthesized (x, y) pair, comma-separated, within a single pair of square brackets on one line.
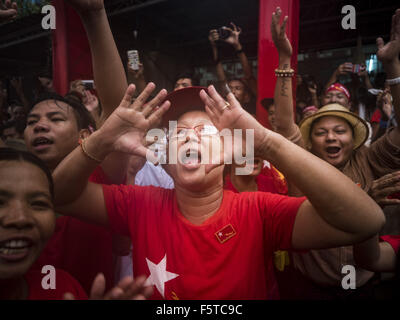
[(225, 233), (71, 51)]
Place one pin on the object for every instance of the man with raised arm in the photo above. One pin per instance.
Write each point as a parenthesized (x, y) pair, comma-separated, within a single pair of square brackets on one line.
[(337, 136), (54, 128)]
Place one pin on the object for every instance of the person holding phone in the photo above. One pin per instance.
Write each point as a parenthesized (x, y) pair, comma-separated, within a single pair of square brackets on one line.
[(245, 88)]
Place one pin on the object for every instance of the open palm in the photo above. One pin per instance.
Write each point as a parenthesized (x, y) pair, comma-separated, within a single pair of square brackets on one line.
[(128, 124), (389, 52), (232, 116), (278, 32)]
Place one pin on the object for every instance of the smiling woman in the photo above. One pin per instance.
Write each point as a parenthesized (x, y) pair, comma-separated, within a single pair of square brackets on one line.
[(27, 221)]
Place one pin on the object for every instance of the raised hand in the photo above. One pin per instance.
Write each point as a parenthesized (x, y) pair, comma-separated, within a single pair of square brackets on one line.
[(389, 53), (8, 10), (233, 39), (312, 88), (384, 187), (136, 73), (344, 68), (127, 126), (127, 289), (84, 6), (90, 101), (213, 36), (230, 115), (278, 32)]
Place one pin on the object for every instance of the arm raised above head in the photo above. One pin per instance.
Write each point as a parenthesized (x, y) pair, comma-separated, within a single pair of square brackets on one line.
[(283, 97), (122, 132), (337, 211), (388, 54)]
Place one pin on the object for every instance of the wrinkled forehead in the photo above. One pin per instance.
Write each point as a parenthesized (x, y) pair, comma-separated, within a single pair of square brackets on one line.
[(194, 118)]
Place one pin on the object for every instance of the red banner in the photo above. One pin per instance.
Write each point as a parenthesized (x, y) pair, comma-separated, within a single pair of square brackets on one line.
[(268, 55), (71, 52)]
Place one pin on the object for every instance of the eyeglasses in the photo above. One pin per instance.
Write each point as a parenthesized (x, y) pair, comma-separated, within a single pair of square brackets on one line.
[(202, 130)]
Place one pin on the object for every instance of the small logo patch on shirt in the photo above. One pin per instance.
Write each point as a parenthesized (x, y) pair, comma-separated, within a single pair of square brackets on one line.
[(225, 233)]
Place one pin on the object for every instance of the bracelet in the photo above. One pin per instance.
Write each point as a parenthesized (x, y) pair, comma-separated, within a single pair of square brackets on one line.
[(239, 51), (383, 124), (394, 81), (83, 147), (284, 73)]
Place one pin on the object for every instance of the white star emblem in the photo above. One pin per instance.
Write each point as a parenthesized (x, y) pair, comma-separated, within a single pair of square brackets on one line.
[(220, 234), (159, 275)]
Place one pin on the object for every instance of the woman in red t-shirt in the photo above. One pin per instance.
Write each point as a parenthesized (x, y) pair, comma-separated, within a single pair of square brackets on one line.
[(27, 221)]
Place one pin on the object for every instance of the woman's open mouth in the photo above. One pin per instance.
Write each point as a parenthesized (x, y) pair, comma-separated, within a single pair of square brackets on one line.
[(191, 159)]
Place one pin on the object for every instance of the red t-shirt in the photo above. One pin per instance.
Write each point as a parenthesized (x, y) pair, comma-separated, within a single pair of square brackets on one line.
[(394, 241), (376, 116), (224, 258), (64, 283), (80, 248), (269, 180)]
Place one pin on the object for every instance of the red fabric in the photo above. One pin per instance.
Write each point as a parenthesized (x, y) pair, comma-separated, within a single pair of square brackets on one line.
[(71, 52), (339, 87), (207, 268), (394, 241), (267, 53), (64, 283), (80, 248), (267, 181), (376, 117)]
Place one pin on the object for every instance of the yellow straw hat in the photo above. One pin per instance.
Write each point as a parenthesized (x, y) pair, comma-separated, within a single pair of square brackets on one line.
[(360, 127)]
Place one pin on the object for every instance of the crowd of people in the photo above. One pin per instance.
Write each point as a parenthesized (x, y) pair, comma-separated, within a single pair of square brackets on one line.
[(83, 188)]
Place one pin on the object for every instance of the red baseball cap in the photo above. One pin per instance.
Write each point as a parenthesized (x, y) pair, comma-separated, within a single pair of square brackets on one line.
[(182, 101)]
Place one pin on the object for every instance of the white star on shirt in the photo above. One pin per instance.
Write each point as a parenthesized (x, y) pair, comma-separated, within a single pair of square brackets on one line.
[(159, 275), (220, 234)]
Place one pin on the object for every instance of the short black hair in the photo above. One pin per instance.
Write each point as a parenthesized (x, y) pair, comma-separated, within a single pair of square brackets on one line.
[(246, 87), (188, 75), (8, 154), (267, 103), (83, 117)]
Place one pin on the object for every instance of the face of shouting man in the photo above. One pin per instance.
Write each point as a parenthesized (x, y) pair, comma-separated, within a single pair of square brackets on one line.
[(332, 140), (52, 131)]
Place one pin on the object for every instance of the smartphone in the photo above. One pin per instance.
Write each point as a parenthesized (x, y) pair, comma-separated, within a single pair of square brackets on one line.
[(133, 59), (357, 68), (89, 84)]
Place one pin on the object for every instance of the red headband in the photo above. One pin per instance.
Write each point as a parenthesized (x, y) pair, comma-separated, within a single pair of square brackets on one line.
[(338, 87)]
